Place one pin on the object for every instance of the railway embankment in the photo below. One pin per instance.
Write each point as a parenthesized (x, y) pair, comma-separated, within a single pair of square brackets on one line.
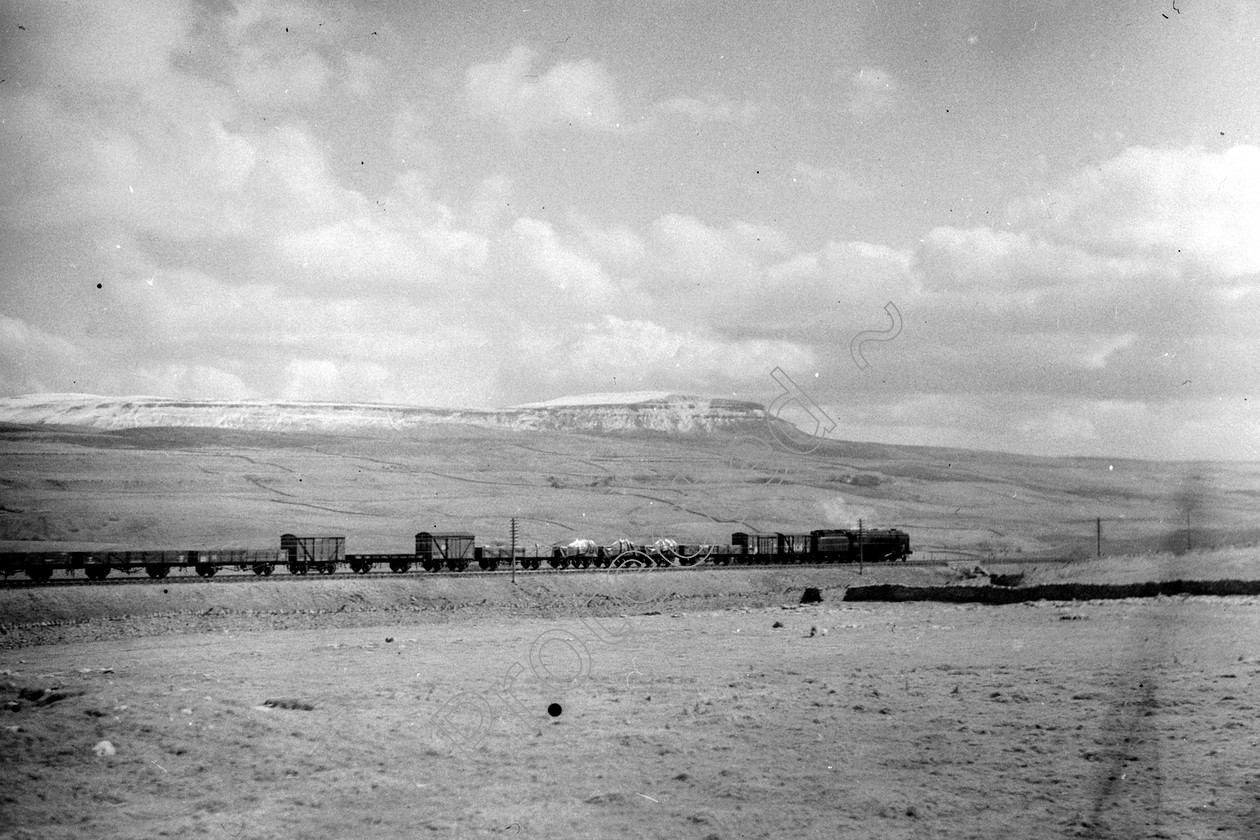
[(50, 614), (40, 614)]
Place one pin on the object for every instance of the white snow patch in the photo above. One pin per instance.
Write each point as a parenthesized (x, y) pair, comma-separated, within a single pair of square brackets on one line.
[(627, 412), (608, 398)]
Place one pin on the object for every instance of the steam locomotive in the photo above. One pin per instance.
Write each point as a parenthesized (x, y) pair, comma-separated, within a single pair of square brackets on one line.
[(456, 552)]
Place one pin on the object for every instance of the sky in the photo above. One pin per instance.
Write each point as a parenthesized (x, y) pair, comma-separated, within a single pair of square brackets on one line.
[(1022, 226)]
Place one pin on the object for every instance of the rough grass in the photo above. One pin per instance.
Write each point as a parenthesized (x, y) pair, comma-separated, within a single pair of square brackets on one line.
[(1242, 563)]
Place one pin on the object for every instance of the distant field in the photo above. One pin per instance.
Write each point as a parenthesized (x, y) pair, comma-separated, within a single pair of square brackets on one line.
[(1219, 564), (176, 487)]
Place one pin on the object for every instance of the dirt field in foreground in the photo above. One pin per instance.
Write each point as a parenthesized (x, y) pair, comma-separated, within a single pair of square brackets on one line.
[(1120, 719)]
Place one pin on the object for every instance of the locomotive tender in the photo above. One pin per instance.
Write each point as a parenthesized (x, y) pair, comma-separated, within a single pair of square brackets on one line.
[(457, 551)]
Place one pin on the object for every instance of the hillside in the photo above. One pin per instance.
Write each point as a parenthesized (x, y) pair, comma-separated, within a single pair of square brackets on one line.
[(643, 411), (82, 471)]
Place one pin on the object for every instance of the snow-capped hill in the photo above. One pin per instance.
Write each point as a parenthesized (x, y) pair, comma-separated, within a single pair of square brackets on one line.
[(639, 411), (605, 413), (614, 398), (252, 415)]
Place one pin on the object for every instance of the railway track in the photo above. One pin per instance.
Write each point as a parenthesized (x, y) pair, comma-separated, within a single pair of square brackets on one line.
[(185, 577)]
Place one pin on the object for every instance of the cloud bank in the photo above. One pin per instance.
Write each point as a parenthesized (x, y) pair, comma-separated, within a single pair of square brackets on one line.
[(263, 202)]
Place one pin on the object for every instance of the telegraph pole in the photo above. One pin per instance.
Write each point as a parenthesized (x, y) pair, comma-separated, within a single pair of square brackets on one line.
[(1099, 523), (861, 551), (513, 549)]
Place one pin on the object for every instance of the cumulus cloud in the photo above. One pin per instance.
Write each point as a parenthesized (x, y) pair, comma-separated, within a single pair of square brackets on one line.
[(277, 79), (242, 340), (1154, 248), (390, 248), (689, 249), (491, 203), (579, 94), (409, 138), (190, 179), (1105, 304), (199, 163), (148, 115), (619, 246), (622, 353), (985, 260), (712, 107), (416, 240), (874, 91), (290, 55), (1184, 206), (1021, 423), (570, 279), (831, 182), (1053, 425), (33, 360), (325, 379), (836, 289), (193, 381)]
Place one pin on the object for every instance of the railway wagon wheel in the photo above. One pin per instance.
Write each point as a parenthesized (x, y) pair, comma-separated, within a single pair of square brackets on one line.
[(399, 566), (632, 559), (264, 569), (457, 564), (297, 568), (206, 570), (96, 571), (488, 564), (360, 567), (698, 554), (39, 573), (157, 570)]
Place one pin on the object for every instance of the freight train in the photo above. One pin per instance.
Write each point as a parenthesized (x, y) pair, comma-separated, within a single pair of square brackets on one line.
[(435, 551)]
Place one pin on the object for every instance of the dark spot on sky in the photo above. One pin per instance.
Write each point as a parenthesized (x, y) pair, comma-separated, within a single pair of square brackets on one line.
[(554, 710), (98, 285)]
